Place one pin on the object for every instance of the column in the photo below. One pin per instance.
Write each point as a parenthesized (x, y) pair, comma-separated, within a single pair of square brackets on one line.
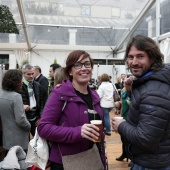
[(72, 36)]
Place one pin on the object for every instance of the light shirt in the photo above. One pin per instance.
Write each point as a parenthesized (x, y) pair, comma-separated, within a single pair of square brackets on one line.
[(105, 92)]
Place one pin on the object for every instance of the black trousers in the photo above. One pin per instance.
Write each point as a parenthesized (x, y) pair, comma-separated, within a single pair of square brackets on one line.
[(56, 166), (33, 126)]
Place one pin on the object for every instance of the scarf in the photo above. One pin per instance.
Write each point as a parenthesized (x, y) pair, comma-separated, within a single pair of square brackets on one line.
[(31, 93)]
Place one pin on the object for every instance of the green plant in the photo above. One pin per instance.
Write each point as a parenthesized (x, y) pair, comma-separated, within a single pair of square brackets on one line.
[(55, 61), (7, 23), (23, 62)]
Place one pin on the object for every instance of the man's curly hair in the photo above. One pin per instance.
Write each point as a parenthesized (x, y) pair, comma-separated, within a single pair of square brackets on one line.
[(12, 80)]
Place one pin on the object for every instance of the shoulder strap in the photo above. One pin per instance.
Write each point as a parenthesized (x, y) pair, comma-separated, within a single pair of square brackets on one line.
[(65, 103), (114, 87)]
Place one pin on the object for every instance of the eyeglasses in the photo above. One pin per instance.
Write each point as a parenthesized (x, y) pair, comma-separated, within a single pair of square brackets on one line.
[(79, 65)]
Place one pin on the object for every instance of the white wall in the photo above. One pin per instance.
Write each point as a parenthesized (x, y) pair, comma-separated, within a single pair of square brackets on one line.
[(46, 58), (108, 69)]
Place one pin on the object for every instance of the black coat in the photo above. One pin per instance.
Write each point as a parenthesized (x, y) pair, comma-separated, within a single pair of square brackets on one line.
[(43, 81), (38, 97), (147, 130)]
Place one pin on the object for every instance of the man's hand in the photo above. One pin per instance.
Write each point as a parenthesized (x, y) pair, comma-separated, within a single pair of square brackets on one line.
[(36, 123), (26, 107), (128, 82), (115, 123)]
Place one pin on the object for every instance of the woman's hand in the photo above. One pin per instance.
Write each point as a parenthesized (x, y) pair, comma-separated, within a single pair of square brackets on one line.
[(115, 123), (90, 132)]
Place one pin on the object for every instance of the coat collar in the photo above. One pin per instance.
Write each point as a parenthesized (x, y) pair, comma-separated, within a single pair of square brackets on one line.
[(68, 92)]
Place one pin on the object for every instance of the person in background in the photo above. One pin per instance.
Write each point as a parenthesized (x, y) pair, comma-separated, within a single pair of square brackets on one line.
[(110, 79), (146, 129), (15, 125), (32, 96), (118, 85), (105, 92), (124, 109), (42, 80), (59, 76), (123, 77), (71, 128), (52, 69), (92, 84), (98, 82)]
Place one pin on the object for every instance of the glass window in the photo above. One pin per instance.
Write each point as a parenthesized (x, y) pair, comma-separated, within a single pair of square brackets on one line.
[(115, 12), (85, 10)]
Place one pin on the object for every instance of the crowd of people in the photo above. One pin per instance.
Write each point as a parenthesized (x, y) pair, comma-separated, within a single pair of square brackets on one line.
[(62, 109)]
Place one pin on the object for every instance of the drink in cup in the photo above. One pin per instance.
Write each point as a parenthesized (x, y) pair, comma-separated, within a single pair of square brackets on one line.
[(119, 118), (98, 123)]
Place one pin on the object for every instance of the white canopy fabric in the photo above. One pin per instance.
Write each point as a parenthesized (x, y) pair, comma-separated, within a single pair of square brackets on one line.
[(22, 55), (165, 49)]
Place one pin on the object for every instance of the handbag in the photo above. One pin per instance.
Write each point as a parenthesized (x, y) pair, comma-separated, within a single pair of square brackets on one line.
[(38, 152), (87, 160), (116, 96)]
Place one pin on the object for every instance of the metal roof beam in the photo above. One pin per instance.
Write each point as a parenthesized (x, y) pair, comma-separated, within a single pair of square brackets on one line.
[(135, 24), (24, 24)]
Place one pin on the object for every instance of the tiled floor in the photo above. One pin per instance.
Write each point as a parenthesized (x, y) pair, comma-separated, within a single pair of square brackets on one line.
[(114, 150)]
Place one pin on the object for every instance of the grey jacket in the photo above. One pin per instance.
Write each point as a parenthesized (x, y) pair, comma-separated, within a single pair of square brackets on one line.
[(15, 125)]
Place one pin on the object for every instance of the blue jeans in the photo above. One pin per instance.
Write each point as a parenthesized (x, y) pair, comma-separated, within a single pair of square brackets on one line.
[(137, 167), (106, 118)]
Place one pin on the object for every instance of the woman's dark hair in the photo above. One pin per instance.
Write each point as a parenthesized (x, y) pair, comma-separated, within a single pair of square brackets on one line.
[(72, 58), (148, 45), (12, 80)]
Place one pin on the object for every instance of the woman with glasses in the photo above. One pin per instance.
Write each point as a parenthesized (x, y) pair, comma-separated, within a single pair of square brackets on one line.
[(68, 112)]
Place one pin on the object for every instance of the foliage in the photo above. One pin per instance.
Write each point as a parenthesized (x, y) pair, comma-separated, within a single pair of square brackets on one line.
[(7, 23), (55, 61), (23, 62), (129, 16), (44, 8)]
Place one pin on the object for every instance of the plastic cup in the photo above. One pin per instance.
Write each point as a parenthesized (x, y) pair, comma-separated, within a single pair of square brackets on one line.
[(118, 118), (97, 123)]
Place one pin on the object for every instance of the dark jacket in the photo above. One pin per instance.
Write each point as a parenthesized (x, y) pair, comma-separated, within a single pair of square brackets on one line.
[(64, 128), (51, 86), (147, 129), (38, 97), (43, 81)]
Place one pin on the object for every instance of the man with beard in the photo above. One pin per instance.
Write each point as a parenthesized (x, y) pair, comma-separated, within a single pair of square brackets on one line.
[(147, 128)]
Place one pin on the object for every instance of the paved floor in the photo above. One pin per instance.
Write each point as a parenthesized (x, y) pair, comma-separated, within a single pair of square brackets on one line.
[(114, 150)]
